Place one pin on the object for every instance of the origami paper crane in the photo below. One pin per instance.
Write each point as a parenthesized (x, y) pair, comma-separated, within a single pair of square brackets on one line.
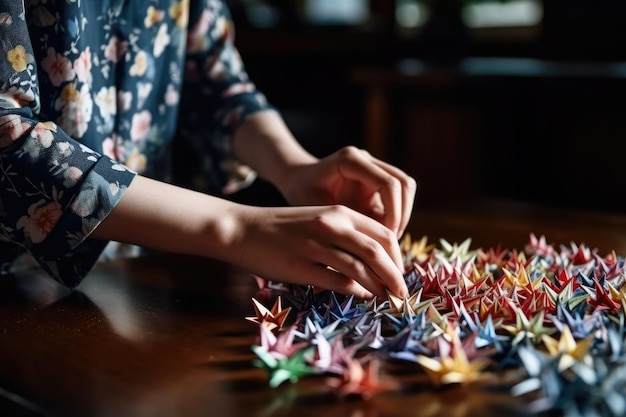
[(532, 329), (556, 313), (568, 349), (601, 299), (331, 356), (415, 251), (274, 318), (306, 297), (360, 378), (580, 325), (280, 370), (580, 391), (268, 288), (366, 331), (310, 328), (451, 251), (539, 246), (406, 345), (453, 369), (344, 311), (408, 306), (282, 345), (542, 375), (492, 259)]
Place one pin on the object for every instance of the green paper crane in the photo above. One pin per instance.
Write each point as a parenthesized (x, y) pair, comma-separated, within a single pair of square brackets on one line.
[(279, 370)]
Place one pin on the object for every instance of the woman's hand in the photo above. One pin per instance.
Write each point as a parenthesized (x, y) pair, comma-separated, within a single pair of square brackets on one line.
[(354, 178), (332, 247), (350, 176)]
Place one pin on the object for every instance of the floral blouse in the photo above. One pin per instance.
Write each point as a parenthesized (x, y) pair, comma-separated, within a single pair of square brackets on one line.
[(94, 92)]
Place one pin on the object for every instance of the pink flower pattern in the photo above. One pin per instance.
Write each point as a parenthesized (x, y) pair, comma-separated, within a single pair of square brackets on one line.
[(58, 67), (41, 218), (104, 100), (82, 66)]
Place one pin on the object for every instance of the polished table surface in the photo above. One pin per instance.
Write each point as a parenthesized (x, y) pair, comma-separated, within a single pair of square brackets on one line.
[(167, 336)]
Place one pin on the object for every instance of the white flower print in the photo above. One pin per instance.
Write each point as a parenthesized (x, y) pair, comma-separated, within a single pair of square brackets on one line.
[(172, 96), (64, 148), (43, 133), (114, 188), (143, 91), (85, 202), (124, 100), (77, 113), (141, 124), (161, 41), (86, 149), (72, 176), (133, 121), (106, 100), (119, 167)]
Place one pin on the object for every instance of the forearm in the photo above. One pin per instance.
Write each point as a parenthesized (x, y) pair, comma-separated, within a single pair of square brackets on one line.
[(164, 217), (265, 143), (332, 247)]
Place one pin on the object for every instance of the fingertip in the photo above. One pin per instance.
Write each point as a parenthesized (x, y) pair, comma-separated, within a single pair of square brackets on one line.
[(389, 294), (403, 293), (356, 288), (402, 290), (364, 296)]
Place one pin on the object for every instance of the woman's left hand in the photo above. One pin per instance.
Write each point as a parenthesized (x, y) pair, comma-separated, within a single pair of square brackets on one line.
[(354, 178)]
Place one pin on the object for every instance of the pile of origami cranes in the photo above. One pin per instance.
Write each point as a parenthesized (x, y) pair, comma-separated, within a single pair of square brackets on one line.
[(555, 313)]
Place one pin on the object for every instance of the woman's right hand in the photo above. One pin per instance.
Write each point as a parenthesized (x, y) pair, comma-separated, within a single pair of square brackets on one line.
[(333, 247)]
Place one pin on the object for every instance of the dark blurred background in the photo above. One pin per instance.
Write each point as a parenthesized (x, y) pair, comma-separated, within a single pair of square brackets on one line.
[(515, 99)]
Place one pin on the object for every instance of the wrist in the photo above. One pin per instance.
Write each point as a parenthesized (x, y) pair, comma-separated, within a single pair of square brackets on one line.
[(265, 143), (290, 176), (223, 231)]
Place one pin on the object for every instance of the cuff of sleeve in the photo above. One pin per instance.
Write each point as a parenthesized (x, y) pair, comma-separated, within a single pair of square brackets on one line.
[(237, 175), (100, 191)]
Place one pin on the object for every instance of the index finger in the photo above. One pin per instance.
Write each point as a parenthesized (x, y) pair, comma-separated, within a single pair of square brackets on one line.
[(374, 246), (409, 189), (360, 166)]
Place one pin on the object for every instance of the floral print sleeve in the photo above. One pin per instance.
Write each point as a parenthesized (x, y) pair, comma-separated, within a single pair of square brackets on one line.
[(54, 190), (96, 92), (217, 97)]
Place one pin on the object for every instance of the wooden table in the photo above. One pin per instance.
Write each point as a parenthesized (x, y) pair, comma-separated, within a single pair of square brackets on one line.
[(167, 335)]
